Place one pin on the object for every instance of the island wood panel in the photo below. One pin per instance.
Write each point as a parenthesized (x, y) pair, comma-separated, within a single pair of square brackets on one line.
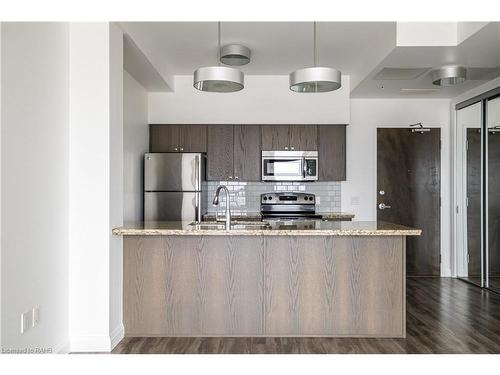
[(275, 137), (304, 137), (332, 152), (164, 138), (192, 286), (247, 155), (264, 286), (334, 286), (193, 138), (220, 152)]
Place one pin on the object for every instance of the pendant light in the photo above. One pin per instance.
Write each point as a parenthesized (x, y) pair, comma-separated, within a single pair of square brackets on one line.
[(449, 75), (315, 79), (218, 78)]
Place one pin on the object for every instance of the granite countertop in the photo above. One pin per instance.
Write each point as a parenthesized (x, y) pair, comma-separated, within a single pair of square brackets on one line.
[(257, 216), (252, 228)]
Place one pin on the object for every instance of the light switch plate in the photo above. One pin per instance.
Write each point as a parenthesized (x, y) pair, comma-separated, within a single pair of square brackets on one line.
[(26, 321), (354, 201)]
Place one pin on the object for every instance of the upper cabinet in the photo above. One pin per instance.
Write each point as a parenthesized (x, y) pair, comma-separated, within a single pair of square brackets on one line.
[(220, 153), (233, 153), (332, 152), (178, 138), (289, 137), (247, 152), (275, 137), (303, 137)]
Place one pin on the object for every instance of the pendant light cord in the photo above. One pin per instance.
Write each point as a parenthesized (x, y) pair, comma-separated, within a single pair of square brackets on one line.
[(218, 43), (315, 48)]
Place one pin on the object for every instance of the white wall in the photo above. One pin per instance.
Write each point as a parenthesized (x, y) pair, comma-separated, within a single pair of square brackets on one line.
[(264, 100), (135, 144), (34, 179), (96, 185), (361, 184)]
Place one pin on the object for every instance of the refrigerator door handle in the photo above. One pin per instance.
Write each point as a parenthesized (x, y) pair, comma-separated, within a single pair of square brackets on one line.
[(197, 173)]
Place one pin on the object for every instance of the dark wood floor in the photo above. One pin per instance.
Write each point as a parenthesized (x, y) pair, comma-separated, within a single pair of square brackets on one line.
[(443, 316)]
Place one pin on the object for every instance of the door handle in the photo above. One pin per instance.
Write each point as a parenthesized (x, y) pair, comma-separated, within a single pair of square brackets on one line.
[(383, 206)]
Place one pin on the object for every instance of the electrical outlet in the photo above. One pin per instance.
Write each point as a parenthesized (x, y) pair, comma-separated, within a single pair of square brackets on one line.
[(36, 316), (26, 321)]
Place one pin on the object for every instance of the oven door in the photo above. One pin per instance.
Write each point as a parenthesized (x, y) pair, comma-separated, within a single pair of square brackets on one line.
[(283, 168)]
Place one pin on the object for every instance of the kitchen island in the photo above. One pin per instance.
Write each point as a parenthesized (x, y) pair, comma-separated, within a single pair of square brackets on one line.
[(311, 278)]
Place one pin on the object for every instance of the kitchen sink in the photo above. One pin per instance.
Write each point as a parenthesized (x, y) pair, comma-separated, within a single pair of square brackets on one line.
[(239, 224)]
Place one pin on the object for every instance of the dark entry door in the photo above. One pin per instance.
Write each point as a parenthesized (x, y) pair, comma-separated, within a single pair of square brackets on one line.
[(409, 182)]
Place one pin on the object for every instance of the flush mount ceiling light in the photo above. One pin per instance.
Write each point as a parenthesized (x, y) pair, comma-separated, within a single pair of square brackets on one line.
[(218, 78), (235, 54), (315, 79), (449, 75)]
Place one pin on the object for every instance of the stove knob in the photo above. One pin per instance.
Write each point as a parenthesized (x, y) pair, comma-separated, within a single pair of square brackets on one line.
[(270, 198), (311, 198), (265, 198)]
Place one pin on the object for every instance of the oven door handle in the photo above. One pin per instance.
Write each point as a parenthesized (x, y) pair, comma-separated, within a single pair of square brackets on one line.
[(304, 167)]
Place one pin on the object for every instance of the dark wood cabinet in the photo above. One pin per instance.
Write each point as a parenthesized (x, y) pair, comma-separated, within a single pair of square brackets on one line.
[(303, 137), (234, 151), (177, 138), (275, 137), (247, 156), (289, 137), (220, 152), (193, 138), (163, 138), (332, 152)]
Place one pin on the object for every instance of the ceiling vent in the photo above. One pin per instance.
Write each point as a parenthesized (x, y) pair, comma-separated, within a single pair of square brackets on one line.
[(406, 74), (418, 91)]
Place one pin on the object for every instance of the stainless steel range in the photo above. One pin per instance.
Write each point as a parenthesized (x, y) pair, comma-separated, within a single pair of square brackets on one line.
[(288, 206)]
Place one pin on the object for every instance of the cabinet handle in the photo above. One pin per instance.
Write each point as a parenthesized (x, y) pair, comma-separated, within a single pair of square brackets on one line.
[(236, 178), (286, 147), (292, 148), (230, 177), (181, 149), (175, 149)]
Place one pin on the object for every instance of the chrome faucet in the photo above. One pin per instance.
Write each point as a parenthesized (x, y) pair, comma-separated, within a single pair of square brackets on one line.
[(228, 204)]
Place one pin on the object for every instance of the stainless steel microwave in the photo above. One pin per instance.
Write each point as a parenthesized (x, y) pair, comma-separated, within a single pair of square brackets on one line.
[(289, 165)]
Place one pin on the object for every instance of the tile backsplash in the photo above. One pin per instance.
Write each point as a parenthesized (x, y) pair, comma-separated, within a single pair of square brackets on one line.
[(245, 196)]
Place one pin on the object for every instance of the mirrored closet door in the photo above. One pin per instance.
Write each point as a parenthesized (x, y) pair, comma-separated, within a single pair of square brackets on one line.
[(469, 151)]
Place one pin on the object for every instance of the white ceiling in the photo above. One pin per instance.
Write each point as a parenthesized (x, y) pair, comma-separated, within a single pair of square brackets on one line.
[(359, 49), (277, 48), (480, 53)]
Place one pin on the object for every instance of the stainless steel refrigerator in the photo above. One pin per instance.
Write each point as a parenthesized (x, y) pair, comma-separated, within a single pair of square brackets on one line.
[(173, 186)]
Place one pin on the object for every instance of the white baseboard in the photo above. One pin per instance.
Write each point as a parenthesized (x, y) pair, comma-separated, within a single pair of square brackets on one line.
[(90, 344), (117, 335), (97, 343)]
